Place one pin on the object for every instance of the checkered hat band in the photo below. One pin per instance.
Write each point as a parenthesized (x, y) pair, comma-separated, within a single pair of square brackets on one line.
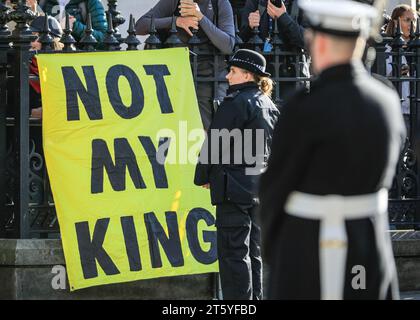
[(248, 62)]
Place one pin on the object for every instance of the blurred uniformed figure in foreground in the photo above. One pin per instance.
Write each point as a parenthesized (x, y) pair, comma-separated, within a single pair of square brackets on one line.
[(245, 121), (334, 153)]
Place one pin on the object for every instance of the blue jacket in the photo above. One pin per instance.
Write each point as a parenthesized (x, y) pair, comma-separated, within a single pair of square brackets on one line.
[(79, 9)]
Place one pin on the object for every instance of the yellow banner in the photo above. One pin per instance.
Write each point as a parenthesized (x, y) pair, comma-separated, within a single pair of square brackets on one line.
[(122, 132)]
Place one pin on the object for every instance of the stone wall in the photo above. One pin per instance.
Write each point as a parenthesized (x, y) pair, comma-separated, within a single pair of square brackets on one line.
[(26, 272), (406, 245)]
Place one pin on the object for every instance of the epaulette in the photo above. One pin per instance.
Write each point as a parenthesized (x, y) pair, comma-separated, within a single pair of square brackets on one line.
[(233, 95)]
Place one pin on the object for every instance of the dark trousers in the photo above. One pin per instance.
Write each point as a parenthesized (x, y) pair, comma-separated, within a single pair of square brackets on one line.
[(239, 252)]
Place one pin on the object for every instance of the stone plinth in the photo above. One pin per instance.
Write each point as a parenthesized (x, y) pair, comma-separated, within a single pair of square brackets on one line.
[(406, 245), (26, 273)]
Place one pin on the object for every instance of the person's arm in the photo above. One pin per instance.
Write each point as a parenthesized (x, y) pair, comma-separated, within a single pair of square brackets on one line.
[(230, 115), (292, 30), (162, 13), (99, 23), (288, 27), (223, 36), (202, 169), (245, 32)]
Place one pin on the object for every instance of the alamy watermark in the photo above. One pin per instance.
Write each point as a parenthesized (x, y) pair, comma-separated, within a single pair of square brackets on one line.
[(246, 147), (58, 281), (358, 281)]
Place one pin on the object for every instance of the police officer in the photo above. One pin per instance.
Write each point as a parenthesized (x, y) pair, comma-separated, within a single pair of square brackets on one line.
[(335, 150), (243, 127)]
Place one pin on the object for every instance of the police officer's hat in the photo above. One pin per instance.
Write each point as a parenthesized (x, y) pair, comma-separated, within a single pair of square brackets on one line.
[(339, 17), (251, 61), (37, 25)]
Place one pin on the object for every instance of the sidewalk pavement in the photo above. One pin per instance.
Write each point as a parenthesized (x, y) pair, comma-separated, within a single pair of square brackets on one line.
[(410, 295)]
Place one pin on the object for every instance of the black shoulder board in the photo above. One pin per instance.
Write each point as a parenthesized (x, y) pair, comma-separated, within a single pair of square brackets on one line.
[(232, 95)]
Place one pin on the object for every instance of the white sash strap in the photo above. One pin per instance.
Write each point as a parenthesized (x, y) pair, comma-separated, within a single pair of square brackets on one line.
[(332, 211), (311, 206), (388, 267), (332, 257)]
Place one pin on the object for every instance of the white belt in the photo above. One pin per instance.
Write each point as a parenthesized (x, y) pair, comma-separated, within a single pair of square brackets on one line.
[(333, 210)]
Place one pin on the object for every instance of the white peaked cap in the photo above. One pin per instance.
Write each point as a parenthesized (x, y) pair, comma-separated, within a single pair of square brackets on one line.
[(340, 17)]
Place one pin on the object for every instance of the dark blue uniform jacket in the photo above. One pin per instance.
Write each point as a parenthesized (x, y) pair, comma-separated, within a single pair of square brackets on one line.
[(245, 113)]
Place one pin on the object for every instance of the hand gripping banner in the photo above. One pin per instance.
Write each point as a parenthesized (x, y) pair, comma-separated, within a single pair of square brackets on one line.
[(122, 132)]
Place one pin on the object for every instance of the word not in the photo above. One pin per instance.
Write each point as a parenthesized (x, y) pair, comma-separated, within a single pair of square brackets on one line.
[(90, 97)]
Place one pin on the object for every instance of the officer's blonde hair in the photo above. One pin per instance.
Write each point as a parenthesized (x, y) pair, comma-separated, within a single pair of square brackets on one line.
[(266, 84)]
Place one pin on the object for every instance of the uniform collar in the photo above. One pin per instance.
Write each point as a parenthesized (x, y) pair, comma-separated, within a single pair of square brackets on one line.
[(343, 71), (242, 86)]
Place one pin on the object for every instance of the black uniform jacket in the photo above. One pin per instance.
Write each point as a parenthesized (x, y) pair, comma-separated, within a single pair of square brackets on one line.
[(344, 137), (243, 111)]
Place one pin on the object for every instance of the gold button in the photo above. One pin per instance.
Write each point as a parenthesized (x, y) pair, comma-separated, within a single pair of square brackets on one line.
[(333, 244)]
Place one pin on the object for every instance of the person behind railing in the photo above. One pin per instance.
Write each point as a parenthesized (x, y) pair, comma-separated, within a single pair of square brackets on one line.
[(262, 14), (232, 173), (238, 6), (405, 15), (37, 26), (215, 31), (32, 4), (78, 11)]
